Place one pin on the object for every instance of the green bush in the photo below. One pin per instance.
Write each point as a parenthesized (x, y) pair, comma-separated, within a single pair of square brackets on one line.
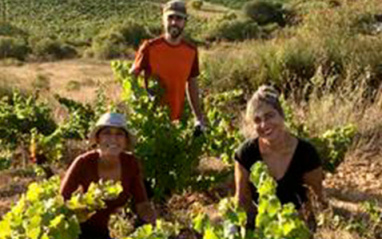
[(230, 16), (19, 115), (132, 33), (226, 69), (114, 42), (5, 160), (50, 49), (6, 29), (41, 82), (273, 220), (108, 45), (42, 212), (197, 4), (333, 144), (81, 118), (11, 47), (232, 30), (73, 85), (264, 12), (169, 152), (5, 87), (299, 60)]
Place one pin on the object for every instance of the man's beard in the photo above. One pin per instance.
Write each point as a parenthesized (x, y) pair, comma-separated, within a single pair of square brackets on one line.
[(174, 31)]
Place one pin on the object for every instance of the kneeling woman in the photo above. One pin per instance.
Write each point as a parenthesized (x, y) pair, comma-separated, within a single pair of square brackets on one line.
[(293, 162), (112, 160)]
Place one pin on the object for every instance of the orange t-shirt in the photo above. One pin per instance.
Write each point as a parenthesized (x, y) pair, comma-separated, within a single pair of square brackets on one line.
[(173, 65)]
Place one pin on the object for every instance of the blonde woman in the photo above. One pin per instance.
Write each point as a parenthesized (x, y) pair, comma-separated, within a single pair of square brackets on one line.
[(112, 160), (293, 162)]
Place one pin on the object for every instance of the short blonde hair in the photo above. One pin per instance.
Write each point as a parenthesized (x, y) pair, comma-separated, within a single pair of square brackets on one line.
[(264, 94)]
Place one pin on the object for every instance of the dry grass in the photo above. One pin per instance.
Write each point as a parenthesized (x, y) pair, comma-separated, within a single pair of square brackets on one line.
[(59, 74)]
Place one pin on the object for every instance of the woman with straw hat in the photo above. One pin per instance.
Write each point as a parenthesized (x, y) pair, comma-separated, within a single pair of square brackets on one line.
[(111, 160)]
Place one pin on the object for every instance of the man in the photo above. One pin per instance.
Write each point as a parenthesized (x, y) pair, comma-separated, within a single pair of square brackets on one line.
[(173, 61)]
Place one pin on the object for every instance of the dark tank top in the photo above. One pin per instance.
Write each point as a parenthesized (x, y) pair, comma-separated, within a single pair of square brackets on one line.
[(290, 188)]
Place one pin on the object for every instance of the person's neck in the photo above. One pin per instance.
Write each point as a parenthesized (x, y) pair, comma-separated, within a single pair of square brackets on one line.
[(108, 159), (171, 40), (277, 144)]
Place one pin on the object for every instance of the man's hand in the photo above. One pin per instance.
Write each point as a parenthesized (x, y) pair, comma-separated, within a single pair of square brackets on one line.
[(199, 127), (193, 99)]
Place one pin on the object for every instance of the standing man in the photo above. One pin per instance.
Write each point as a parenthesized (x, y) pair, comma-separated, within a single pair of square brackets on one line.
[(173, 61)]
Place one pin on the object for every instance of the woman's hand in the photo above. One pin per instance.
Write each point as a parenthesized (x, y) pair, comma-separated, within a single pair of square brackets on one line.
[(146, 212)]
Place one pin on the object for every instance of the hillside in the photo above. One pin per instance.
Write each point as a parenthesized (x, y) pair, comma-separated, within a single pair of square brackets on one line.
[(325, 57)]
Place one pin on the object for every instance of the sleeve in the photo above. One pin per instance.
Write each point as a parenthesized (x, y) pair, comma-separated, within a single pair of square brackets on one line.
[(195, 72), (71, 181), (138, 189), (242, 155), (141, 61), (239, 155), (312, 159)]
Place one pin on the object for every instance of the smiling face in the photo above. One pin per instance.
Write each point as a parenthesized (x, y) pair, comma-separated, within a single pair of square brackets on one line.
[(268, 122), (112, 141), (173, 25)]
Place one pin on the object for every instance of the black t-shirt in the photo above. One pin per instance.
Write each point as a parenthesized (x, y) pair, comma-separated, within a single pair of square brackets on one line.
[(290, 187)]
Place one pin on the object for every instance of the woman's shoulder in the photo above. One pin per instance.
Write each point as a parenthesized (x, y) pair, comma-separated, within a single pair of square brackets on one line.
[(248, 153), (86, 157), (248, 146), (306, 146), (308, 155), (130, 164), (128, 158)]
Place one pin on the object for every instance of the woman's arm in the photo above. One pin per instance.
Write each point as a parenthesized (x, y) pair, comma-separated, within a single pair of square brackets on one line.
[(71, 180), (313, 180), (243, 194), (144, 207)]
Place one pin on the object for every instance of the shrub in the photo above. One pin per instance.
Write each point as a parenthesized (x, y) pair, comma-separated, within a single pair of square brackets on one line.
[(41, 82), (197, 4), (5, 160), (73, 85), (235, 30), (108, 45), (88, 82), (113, 42), (11, 47), (228, 68), (42, 211), (7, 29), (230, 16), (5, 87), (19, 115), (53, 49), (264, 12), (299, 59), (132, 33), (169, 152)]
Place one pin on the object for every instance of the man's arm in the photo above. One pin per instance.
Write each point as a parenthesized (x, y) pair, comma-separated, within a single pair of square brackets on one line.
[(141, 63), (193, 99), (135, 74)]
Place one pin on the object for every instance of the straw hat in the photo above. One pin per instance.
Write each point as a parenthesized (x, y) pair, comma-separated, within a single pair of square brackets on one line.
[(115, 120)]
